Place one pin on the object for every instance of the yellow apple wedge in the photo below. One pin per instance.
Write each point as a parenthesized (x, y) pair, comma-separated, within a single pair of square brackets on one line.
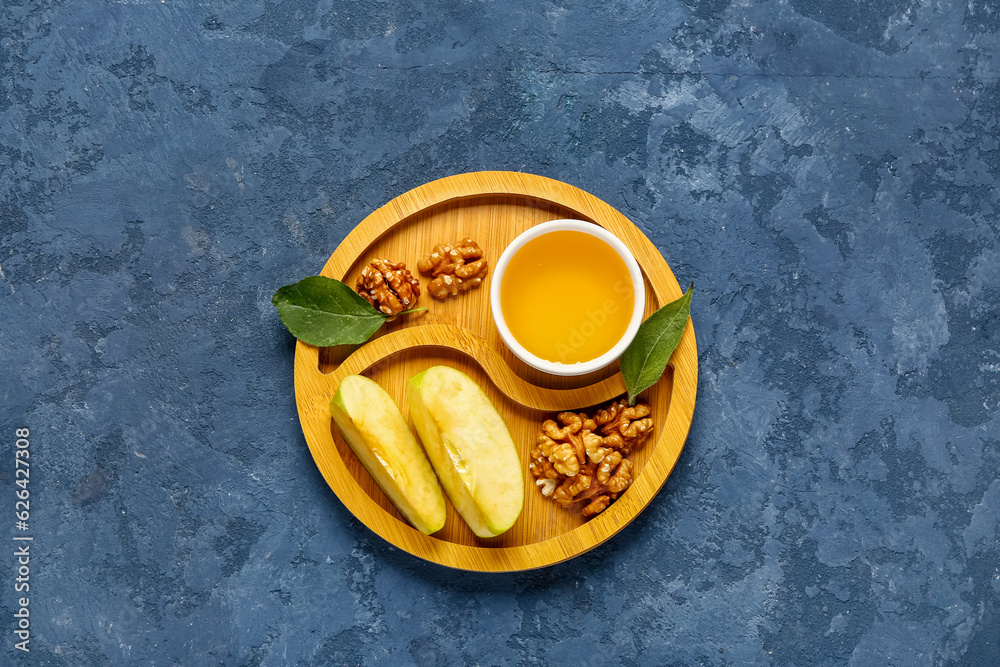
[(470, 448), (379, 436)]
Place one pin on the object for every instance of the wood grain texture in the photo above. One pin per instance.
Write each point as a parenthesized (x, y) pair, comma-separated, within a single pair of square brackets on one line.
[(492, 208)]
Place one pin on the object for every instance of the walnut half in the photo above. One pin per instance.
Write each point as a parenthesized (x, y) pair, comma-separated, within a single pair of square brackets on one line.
[(388, 286), (455, 267), (624, 426)]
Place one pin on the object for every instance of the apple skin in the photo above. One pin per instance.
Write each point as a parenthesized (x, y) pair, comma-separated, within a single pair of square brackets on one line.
[(470, 448), (379, 436)]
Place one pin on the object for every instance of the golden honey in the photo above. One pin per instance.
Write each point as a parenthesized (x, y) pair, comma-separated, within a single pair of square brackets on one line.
[(567, 297)]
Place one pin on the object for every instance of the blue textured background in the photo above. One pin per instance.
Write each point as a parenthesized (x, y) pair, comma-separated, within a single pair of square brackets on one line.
[(825, 171)]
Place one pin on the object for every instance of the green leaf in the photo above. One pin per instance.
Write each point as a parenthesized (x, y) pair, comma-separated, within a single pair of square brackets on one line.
[(322, 311), (646, 357)]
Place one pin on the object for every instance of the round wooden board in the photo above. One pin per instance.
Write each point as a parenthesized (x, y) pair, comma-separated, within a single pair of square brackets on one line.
[(492, 208)]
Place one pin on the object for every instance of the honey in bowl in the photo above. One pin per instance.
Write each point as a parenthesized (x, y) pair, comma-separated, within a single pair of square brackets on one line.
[(567, 297)]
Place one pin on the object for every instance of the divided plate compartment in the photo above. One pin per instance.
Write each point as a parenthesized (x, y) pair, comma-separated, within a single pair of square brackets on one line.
[(491, 208)]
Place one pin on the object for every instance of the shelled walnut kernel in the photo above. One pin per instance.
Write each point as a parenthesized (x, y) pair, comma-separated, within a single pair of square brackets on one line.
[(455, 267), (623, 425), (577, 458), (388, 286)]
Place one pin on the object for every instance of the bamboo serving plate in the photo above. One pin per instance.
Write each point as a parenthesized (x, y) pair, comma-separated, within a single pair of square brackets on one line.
[(491, 208)]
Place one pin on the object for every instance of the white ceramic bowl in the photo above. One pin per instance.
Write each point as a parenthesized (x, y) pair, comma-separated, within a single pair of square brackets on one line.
[(638, 291)]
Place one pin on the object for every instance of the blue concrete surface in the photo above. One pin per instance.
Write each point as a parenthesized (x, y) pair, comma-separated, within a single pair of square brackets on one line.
[(825, 171)]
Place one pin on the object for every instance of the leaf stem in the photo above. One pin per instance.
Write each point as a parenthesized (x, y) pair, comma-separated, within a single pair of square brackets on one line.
[(411, 310)]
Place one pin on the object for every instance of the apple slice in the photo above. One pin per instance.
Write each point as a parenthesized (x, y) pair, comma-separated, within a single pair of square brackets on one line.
[(379, 437), (470, 448)]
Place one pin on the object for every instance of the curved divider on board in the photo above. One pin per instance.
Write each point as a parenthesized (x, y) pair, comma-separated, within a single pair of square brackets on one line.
[(474, 346)]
